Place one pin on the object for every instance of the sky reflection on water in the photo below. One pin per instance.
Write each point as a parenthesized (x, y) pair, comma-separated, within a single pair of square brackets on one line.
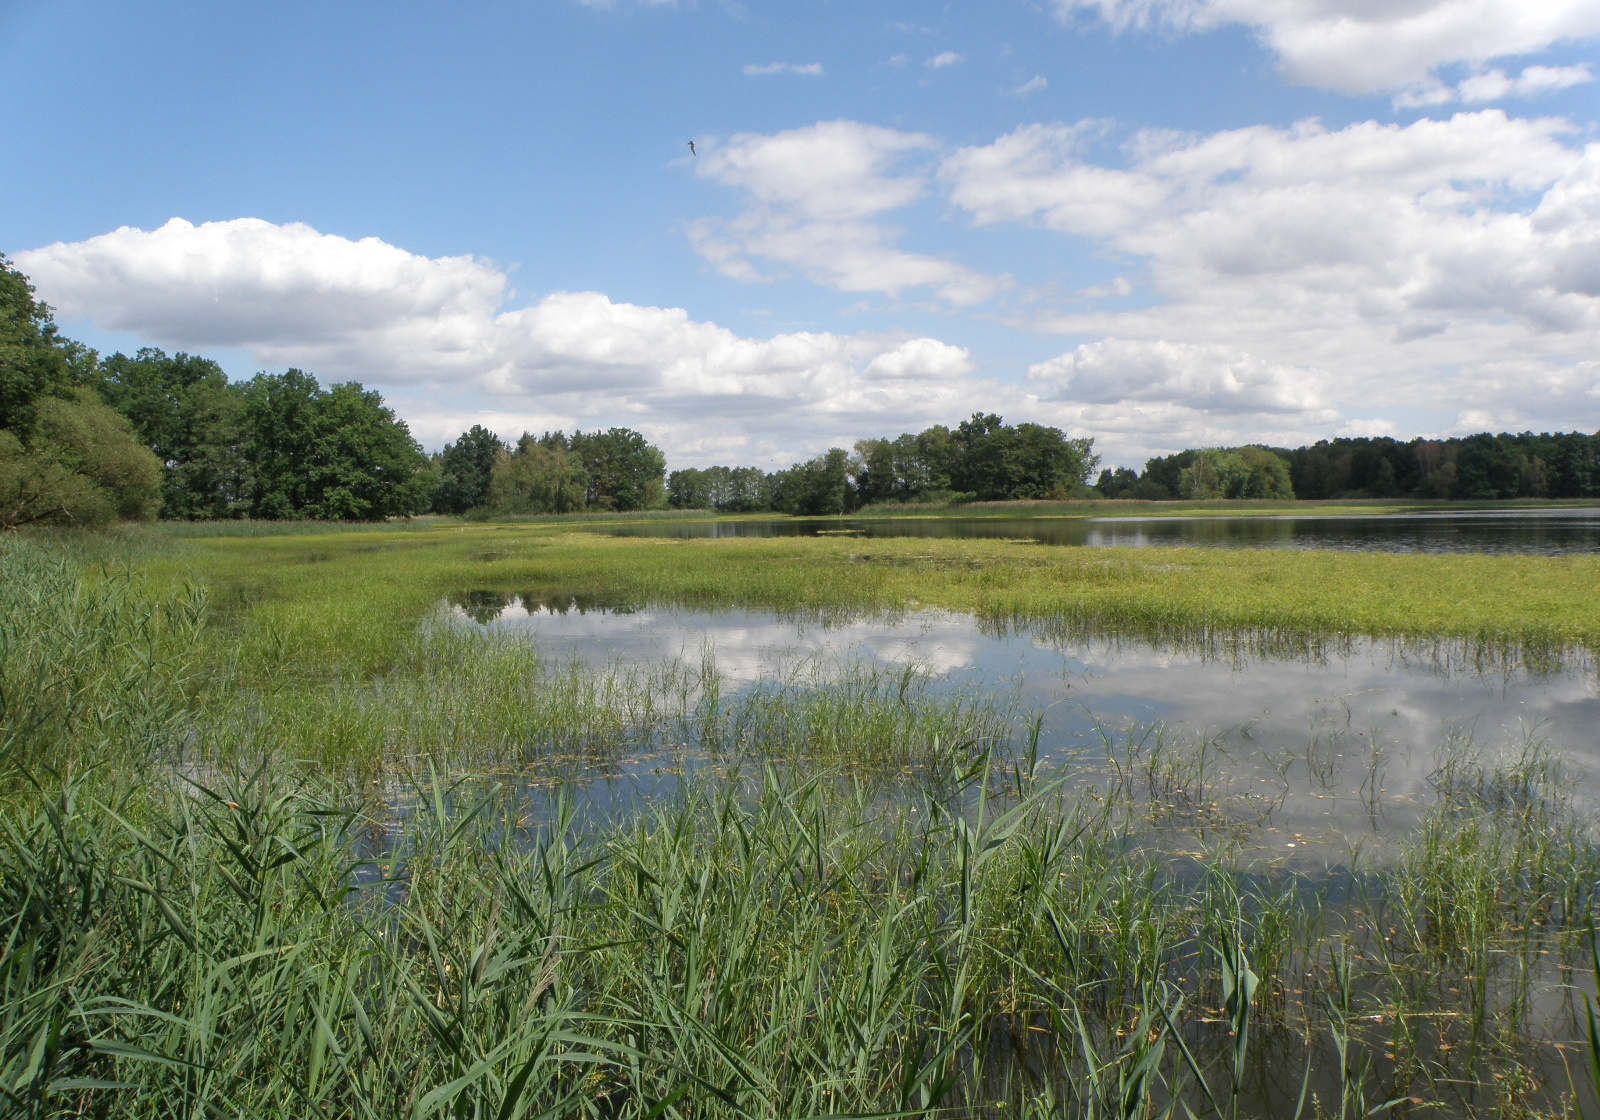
[(1313, 738)]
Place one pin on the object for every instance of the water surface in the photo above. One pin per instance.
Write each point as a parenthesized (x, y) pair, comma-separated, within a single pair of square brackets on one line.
[(1537, 532), (1342, 742)]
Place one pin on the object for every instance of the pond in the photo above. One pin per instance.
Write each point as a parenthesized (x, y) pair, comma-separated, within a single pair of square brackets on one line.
[(1335, 745), (1539, 532)]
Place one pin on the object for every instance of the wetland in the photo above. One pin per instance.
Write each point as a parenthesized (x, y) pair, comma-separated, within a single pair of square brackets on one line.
[(545, 819)]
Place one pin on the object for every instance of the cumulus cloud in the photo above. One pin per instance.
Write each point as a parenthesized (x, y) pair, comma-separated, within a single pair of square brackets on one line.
[(1192, 376), (1142, 397), (813, 194), (942, 59), (1036, 84), (291, 295), (757, 69), (1380, 223), (1495, 85), (1449, 259), (1366, 46), (1532, 82)]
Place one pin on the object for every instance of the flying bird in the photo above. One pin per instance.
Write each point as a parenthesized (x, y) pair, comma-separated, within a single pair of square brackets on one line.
[(691, 149)]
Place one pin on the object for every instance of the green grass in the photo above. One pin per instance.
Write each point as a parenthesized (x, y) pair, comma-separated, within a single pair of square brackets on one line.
[(268, 847), (358, 594)]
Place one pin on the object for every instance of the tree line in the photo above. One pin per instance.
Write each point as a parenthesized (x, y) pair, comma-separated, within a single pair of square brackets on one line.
[(981, 459), (1481, 467)]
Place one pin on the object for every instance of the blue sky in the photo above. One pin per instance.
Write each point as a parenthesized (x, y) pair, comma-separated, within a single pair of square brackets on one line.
[(1161, 223)]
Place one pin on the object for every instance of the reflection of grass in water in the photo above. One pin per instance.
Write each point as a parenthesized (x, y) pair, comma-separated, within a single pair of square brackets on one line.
[(777, 938)]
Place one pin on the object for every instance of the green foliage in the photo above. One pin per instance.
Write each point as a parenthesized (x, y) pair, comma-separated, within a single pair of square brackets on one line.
[(34, 360), (93, 668), (819, 486), (188, 414), (465, 467), (538, 476), (1242, 472), (724, 489), (998, 462), (335, 454), (624, 469), (907, 468), (82, 465)]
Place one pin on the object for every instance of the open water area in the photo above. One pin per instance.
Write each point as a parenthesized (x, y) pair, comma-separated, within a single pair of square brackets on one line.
[(1535, 532), (1305, 755)]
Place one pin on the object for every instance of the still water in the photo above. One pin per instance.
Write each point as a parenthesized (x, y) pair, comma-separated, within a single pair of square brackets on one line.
[(1537, 532), (1334, 746)]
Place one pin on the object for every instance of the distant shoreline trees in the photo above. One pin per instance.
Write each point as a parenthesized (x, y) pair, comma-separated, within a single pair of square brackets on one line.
[(982, 459), (1482, 467)]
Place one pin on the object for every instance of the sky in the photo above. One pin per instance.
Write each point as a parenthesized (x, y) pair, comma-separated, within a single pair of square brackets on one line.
[(1159, 223)]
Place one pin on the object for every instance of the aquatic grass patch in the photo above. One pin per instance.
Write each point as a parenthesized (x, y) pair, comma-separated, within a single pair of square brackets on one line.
[(396, 578)]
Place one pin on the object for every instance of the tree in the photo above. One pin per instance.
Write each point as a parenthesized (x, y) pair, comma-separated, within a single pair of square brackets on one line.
[(997, 462), (1242, 472), (539, 476), (35, 361), (188, 414), (625, 470), (817, 487), (1487, 467), (338, 454), (82, 465), (465, 468)]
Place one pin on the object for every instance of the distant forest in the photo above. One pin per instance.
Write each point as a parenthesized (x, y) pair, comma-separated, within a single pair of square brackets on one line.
[(1469, 468), (88, 440)]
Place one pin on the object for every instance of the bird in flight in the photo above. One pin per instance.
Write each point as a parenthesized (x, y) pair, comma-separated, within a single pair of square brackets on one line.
[(691, 149)]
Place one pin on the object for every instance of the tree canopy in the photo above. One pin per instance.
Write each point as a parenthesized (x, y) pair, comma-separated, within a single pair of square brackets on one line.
[(328, 454)]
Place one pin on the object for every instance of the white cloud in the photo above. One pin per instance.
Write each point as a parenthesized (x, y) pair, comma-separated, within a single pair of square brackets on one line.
[(1197, 377), (942, 59), (1036, 84), (291, 295), (1367, 46), (1532, 82), (812, 194), (1454, 260), (1383, 221), (1495, 85), (922, 358), (810, 69)]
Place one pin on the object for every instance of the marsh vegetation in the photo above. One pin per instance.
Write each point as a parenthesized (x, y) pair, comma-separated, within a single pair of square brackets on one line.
[(278, 838)]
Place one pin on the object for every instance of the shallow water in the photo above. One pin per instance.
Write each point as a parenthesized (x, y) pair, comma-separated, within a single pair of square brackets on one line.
[(1300, 757), (1534, 532)]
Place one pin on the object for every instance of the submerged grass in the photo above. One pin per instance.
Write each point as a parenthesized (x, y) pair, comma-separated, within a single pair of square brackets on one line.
[(851, 896)]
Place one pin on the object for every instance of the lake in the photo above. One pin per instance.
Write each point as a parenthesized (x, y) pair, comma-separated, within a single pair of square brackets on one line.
[(1539, 532)]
